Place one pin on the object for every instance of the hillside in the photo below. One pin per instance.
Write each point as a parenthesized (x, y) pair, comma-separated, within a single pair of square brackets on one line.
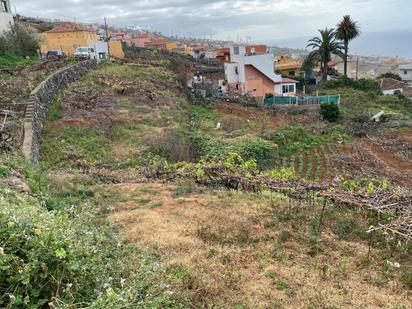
[(143, 201)]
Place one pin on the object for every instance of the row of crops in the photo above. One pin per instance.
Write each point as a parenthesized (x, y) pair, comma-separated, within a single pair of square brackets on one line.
[(319, 164)]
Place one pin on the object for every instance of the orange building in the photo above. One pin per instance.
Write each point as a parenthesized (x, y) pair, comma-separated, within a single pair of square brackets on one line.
[(67, 37)]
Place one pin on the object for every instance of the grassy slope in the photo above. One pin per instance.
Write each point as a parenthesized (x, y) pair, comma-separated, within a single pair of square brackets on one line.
[(268, 254)]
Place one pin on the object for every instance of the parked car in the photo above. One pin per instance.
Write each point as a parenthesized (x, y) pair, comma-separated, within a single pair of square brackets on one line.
[(55, 55), (84, 53)]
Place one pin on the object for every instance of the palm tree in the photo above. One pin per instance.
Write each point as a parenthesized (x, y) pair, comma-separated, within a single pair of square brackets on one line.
[(323, 48), (346, 31)]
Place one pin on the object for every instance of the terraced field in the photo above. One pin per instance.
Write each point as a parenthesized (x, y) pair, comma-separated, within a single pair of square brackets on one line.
[(321, 164)]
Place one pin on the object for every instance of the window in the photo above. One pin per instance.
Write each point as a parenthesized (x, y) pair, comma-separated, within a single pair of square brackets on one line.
[(405, 72), (4, 7), (288, 88), (291, 73), (236, 50)]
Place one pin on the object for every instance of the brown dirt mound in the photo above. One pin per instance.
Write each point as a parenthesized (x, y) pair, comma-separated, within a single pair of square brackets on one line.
[(387, 157)]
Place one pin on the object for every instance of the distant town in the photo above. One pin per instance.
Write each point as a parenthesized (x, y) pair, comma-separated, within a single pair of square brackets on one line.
[(285, 58)]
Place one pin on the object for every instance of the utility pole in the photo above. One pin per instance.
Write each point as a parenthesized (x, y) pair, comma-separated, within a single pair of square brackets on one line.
[(107, 38), (304, 82), (15, 12), (357, 67)]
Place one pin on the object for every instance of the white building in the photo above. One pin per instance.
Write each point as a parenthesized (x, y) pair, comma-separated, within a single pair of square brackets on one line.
[(254, 74), (390, 86), (6, 17), (405, 72)]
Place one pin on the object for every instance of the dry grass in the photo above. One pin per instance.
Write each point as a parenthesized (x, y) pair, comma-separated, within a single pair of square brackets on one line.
[(241, 250)]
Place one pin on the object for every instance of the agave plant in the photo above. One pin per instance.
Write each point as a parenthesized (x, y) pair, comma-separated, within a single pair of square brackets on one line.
[(323, 47)]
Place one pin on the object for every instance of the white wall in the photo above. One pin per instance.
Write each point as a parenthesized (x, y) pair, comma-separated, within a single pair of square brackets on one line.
[(6, 19), (230, 73), (99, 48), (405, 77), (265, 64), (391, 91)]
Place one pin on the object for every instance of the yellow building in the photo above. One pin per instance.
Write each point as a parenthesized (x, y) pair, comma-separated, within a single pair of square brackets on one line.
[(288, 66), (171, 46), (116, 49), (67, 37)]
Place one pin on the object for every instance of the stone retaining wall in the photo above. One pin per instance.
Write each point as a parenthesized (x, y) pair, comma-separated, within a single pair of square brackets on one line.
[(38, 105)]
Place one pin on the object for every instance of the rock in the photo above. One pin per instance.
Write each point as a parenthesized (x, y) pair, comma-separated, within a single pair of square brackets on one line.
[(17, 184)]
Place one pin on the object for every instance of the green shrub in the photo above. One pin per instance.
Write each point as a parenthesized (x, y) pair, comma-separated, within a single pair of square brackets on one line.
[(330, 112), (360, 84), (344, 228), (66, 257), (291, 139), (54, 112), (4, 171), (407, 277), (20, 40), (258, 149)]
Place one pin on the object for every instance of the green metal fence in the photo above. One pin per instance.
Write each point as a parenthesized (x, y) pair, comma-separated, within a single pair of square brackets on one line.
[(303, 101)]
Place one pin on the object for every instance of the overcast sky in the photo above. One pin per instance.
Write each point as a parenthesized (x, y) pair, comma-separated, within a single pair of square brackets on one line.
[(262, 20)]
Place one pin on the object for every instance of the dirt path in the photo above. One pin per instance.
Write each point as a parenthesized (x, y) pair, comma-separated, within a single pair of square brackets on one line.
[(296, 164), (323, 176), (387, 157), (314, 156), (305, 165)]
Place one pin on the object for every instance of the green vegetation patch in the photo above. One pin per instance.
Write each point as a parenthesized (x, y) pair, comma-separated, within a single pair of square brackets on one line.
[(73, 142), (65, 258), (292, 139)]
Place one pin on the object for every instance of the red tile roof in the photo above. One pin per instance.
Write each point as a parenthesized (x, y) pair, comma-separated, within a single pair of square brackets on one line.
[(259, 49), (390, 84), (69, 27), (288, 81)]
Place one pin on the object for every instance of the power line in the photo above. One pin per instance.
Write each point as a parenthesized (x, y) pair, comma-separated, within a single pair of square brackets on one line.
[(55, 16)]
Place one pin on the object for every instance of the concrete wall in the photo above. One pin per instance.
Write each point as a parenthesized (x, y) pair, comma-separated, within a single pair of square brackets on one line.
[(391, 91), (38, 105), (6, 17), (405, 77)]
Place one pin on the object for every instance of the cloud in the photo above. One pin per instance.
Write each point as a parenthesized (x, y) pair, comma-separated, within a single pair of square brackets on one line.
[(260, 19)]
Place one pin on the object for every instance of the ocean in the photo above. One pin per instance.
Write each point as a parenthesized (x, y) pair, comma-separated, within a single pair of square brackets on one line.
[(383, 43)]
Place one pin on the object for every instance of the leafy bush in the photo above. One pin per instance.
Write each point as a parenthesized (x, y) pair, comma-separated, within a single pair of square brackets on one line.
[(65, 258), (20, 40), (285, 173), (344, 228), (330, 111), (74, 142), (256, 149), (4, 171), (407, 277), (54, 112), (292, 139), (360, 84), (390, 75)]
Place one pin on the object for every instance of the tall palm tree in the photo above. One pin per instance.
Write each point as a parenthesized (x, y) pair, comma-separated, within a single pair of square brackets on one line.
[(346, 31), (323, 48)]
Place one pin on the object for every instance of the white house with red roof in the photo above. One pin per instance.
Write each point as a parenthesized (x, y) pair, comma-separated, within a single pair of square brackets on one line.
[(251, 72)]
